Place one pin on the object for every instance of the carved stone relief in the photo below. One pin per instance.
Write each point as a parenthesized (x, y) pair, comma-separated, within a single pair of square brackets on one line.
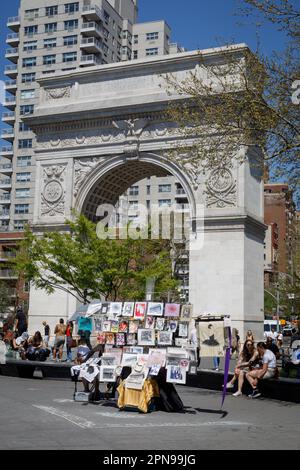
[(221, 188), (58, 93), (82, 167), (53, 193)]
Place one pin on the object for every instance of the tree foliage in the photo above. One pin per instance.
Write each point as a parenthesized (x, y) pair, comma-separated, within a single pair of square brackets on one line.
[(78, 262)]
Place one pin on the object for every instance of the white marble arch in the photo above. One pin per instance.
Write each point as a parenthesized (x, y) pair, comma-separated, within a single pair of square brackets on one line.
[(101, 129)]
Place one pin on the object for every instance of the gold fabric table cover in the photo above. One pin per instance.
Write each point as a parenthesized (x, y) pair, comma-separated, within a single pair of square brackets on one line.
[(138, 398)]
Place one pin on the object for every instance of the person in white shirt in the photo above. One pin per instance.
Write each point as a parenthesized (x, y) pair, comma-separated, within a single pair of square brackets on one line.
[(267, 371)]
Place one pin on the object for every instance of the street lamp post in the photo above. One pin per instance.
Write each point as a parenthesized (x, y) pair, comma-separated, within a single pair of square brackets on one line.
[(277, 304)]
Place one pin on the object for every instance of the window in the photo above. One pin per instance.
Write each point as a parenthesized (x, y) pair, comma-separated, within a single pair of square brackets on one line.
[(164, 202), (105, 48), (20, 224), (136, 39), (21, 208), (24, 161), (30, 30), (25, 143), (70, 25), (71, 7), (152, 51), (50, 27), (134, 191), (133, 205), (23, 127), (120, 32), (51, 11), (23, 177), (106, 16), (124, 49), (22, 192), (28, 77), (148, 189), (26, 94), (164, 188), (26, 109), (49, 43), (29, 62), (106, 33), (152, 36), (148, 204), (135, 55), (31, 14), (49, 59), (30, 46), (45, 72), (69, 56), (70, 40)]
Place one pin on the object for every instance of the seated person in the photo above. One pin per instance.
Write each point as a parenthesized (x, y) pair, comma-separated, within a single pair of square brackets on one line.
[(266, 371), (272, 347), (36, 350), (82, 351), (247, 358), (293, 364), (20, 343)]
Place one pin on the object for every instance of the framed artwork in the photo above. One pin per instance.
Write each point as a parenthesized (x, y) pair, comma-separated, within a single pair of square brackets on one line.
[(98, 319), (165, 338), (146, 337), (173, 325), (159, 324), (172, 310), (137, 350), (211, 338), (114, 326), (182, 342), (123, 326), (120, 339), (104, 308), (128, 309), (115, 309), (128, 359), (133, 326), (140, 310), (110, 338), (106, 326), (176, 374), (101, 338), (155, 309), (186, 312), (156, 357), (150, 323), (154, 370), (108, 360), (183, 329), (131, 339), (107, 374), (193, 368)]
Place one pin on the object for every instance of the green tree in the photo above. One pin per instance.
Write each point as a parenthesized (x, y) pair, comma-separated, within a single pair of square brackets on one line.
[(77, 261), (5, 298)]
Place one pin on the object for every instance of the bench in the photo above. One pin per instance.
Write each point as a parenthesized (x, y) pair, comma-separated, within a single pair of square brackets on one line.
[(28, 369)]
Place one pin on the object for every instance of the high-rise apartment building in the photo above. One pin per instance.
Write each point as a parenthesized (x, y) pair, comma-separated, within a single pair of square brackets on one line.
[(50, 36)]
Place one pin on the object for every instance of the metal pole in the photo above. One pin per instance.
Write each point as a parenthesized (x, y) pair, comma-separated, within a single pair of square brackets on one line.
[(277, 299)]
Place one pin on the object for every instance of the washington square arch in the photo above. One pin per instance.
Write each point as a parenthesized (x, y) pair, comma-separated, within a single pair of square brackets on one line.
[(100, 130)]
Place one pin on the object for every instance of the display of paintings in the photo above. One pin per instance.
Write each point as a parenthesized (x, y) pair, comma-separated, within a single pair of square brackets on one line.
[(176, 374), (159, 324), (183, 329), (165, 338), (133, 326), (110, 338), (128, 359), (104, 308), (108, 360), (106, 326), (98, 319), (172, 326), (155, 309), (150, 323), (115, 310), (101, 337), (131, 339), (211, 338), (186, 312), (146, 337), (156, 357), (140, 310), (128, 309), (107, 374), (172, 310), (123, 326), (120, 339), (114, 326)]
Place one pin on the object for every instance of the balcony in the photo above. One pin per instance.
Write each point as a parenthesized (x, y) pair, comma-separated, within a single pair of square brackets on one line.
[(4, 215), (8, 134), (5, 183), (91, 29), (11, 71), (88, 60), (14, 23), (13, 39), (9, 118), (7, 152), (6, 168), (10, 103), (12, 54), (8, 274), (92, 13), (5, 198), (91, 45), (10, 86)]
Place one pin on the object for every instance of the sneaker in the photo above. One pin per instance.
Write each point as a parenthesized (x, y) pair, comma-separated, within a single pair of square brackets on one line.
[(255, 394), (237, 394)]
